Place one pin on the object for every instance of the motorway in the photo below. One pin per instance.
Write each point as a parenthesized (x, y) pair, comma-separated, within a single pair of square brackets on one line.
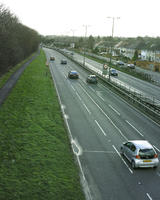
[(99, 121), (145, 88)]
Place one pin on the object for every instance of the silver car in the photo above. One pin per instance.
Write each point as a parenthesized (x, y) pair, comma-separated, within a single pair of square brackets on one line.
[(131, 66), (140, 153)]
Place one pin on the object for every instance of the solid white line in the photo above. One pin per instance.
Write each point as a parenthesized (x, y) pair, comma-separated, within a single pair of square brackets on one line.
[(105, 114), (78, 96), (148, 196), (111, 152), (122, 159), (72, 87), (84, 81), (100, 128), (101, 97), (86, 183), (71, 138), (66, 116), (92, 89), (86, 108), (65, 119), (134, 128), (156, 148), (114, 110)]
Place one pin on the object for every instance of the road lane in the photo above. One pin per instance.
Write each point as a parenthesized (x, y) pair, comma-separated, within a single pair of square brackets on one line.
[(107, 174), (146, 88)]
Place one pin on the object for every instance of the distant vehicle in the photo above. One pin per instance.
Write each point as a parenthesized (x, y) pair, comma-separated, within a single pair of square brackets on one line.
[(52, 58), (92, 79), (131, 66), (120, 62), (103, 53), (140, 153), (73, 75), (113, 72), (63, 61)]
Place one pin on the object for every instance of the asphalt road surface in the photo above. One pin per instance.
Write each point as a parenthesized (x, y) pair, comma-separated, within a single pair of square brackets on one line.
[(99, 121), (145, 88)]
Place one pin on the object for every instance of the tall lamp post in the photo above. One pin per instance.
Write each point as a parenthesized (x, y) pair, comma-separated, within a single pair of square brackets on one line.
[(113, 19), (86, 26), (73, 30)]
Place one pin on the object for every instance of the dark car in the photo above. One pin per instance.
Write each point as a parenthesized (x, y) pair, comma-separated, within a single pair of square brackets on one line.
[(52, 58), (113, 72), (92, 79), (73, 74), (120, 62), (63, 61)]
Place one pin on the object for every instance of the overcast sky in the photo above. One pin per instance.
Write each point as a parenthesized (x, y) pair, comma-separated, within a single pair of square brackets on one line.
[(68, 17)]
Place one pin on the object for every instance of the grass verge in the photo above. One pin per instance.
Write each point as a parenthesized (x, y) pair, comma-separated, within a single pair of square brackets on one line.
[(36, 160), (6, 76)]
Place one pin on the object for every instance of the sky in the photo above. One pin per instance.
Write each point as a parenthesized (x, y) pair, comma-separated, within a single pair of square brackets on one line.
[(70, 17)]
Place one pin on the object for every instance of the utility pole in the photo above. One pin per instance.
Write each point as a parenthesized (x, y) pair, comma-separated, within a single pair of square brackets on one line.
[(86, 26), (73, 35), (113, 19)]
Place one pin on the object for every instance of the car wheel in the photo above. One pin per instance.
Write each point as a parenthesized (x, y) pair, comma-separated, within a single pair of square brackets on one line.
[(133, 164), (155, 167)]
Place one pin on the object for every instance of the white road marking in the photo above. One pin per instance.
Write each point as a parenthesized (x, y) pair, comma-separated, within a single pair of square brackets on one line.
[(112, 152), (101, 97), (73, 87), (97, 94), (76, 144), (78, 96), (100, 128), (84, 81), (148, 196), (114, 110), (156, 148), (63, 106), (66, 116), (85, 183), (131, 106), (86, 108), (105, 114), (122, 159), (134, 128), (92, 89)]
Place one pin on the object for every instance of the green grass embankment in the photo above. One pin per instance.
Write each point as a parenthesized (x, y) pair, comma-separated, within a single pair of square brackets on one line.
[(6, 76), (36, 160)]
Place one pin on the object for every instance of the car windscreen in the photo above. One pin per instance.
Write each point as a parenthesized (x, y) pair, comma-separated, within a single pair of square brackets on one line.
[(93, 77), (146, 153)]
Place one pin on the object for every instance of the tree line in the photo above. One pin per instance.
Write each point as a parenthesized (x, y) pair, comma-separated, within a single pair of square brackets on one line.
[(17, 41)]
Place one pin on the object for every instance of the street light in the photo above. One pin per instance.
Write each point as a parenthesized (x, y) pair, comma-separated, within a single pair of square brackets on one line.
[(113, 18), (86, 26), (73, 30)]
